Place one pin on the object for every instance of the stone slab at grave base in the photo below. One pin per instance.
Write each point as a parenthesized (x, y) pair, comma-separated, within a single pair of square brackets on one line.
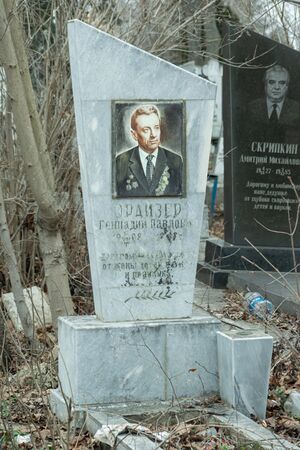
[(222, 259), (247, 433), (109, 426), (178, 409), (101, 363), (109, 421)]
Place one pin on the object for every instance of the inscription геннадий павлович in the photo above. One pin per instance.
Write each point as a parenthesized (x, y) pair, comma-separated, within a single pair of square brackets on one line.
[(135, 263)]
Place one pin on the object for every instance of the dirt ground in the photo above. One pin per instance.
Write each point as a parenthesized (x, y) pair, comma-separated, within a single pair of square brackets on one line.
[(26, 380), (26, 383)]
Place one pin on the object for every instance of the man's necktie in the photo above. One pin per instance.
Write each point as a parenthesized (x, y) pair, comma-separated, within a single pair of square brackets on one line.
[(273, 116), (149, 168)]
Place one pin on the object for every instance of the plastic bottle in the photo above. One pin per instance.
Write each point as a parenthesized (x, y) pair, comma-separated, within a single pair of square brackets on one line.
[(258, 305)]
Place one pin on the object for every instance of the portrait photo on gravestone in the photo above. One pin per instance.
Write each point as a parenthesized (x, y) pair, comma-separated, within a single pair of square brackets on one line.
[(262, 140), (148, 149), (274, 117)]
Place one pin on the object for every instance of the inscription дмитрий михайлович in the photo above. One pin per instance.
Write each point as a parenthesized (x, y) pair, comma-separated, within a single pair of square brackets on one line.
[(272, 160)]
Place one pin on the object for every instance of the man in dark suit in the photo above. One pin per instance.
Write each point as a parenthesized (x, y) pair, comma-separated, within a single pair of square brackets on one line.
[(275, 118), (148, 169)]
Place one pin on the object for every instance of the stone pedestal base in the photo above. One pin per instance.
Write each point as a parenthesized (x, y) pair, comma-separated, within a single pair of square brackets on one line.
[(106, 363), (244, 359), (222, 258)]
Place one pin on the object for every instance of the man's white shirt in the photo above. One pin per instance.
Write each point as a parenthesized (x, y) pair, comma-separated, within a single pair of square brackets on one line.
[(144, 160), (270, 107)]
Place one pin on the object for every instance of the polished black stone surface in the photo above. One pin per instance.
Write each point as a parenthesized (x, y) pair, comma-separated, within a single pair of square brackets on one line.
[(224, 256), (261, 159), (223, 259), (261, 156), (212, 276)]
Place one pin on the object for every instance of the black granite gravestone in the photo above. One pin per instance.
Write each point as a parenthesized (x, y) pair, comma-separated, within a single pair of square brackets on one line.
[(261, 114)]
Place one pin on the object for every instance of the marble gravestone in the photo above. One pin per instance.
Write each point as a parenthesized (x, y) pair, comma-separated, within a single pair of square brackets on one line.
[(143, 237), (142, 247), (262, 157)]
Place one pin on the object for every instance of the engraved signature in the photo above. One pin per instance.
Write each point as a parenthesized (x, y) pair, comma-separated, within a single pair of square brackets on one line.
[(147, 294)]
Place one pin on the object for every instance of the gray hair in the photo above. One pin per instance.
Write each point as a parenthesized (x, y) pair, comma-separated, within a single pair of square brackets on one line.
[(277, 68)]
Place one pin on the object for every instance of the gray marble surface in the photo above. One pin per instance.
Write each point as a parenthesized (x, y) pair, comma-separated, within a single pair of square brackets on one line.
[(134, 362), (244, 359), (162, 248)]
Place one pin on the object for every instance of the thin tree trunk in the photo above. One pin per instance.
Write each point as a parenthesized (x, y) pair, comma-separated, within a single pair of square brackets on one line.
[(37, 165), (12, 266), (19, 48), (52, 249)]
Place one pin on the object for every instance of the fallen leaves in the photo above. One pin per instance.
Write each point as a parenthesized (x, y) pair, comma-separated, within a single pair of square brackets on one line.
[(285, 371), (289, 424)]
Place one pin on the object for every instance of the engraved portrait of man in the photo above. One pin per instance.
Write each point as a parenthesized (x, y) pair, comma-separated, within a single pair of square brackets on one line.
[(276, 117), (148, 169)]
